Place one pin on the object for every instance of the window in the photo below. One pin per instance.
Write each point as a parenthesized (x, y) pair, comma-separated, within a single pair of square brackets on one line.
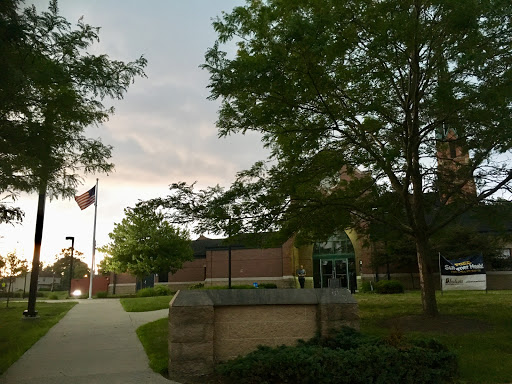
[(453, 149)]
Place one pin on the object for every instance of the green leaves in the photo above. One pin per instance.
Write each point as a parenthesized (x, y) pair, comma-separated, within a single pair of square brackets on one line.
[(50, 91), (144, 243)]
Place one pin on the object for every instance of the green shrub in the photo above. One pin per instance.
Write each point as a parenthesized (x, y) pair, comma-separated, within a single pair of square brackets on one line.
[(157, 290), (389, 286), (197, 286), (101, 294), (268, 285), (53, 296), (162, 290), (366, 286), (146, 292), (347, 358), (16, 294)]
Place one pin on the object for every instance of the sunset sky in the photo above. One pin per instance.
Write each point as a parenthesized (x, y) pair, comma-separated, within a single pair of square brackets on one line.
[(162, 132)]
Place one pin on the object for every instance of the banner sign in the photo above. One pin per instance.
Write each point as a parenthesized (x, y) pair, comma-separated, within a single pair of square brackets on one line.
[(467, 273)]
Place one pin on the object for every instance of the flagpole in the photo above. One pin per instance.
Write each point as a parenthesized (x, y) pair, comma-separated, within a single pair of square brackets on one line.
[(91, 275)]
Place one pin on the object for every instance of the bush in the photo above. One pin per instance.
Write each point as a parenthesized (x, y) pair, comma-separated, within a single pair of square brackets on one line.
[(349, 357), (102, 294), (162, 290), (158, 290), (53, 296), (146, 292), (366, 287), (268, 285), (389, 286)]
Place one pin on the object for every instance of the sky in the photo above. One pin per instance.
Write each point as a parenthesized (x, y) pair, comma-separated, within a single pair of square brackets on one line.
[(162, 132)]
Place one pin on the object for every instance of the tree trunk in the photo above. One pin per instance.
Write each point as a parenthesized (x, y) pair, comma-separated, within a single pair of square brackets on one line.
[(31, 309), (9, 291), (428, 290)]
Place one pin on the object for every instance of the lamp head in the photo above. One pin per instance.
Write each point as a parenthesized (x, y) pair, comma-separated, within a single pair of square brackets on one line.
[(70, 238)]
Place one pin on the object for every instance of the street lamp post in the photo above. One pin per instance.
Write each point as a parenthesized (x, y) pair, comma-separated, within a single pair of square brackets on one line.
[(71, 262)]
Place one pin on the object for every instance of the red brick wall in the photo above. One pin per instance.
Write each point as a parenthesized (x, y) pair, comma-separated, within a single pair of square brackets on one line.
[(287, 259), (192, 271), (123, 278), (245, 263), (99, 284)]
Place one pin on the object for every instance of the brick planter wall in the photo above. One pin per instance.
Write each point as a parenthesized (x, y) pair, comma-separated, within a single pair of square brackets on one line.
[(206, 327)]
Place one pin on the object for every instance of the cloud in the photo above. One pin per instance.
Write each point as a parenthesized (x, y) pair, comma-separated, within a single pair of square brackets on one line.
[(162, 132)]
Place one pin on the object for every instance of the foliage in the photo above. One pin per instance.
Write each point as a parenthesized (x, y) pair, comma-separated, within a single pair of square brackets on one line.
[(389, 286), (109, 264), (18, 294), (267, 286), (54, 89), (60, 295), (17, 336), (102, 294), (348, 358), (493, 309), (359, 102), (153, 337), (61, 267), (145, 243), (12, 266), (157, 290), (366, 287), (145, 304)]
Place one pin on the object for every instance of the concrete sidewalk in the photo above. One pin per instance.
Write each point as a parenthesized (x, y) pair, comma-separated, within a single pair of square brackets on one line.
[(94, 343)]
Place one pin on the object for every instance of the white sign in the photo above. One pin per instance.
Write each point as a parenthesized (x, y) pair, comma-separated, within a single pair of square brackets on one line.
[(463, 274)]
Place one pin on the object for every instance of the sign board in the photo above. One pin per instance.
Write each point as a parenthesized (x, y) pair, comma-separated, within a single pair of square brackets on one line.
[(467, 273)]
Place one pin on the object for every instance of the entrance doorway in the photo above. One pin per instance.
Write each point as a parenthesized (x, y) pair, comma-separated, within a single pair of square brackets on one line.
[(334, 263), (334, 274)]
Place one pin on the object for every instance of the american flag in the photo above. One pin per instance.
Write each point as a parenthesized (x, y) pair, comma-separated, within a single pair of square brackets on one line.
[(86, 199)]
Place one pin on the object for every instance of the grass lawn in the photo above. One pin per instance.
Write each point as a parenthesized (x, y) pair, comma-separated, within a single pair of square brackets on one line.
[(144, 304), (153, 337), (477, 326), (17, 335), (55, 295)]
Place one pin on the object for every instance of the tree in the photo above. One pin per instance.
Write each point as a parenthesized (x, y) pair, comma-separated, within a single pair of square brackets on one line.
[(12, 267), (11, 35), (410, 100), (145, 243), (57, 92), (62, 266), (110, 265)]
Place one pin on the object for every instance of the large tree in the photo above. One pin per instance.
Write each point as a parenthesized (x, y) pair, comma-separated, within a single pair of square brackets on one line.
[(62, 266), (56, 91), (144, 243), (359, 101)]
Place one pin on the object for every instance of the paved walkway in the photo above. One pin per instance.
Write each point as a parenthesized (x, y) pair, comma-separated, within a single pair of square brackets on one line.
[(94, 343)]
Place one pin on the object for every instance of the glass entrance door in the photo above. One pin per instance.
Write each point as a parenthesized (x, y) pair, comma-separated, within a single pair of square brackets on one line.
[(334, 274)]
